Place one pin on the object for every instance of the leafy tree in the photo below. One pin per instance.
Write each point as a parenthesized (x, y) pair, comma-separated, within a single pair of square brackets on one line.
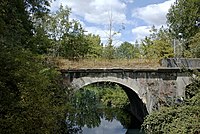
[(30, 96), (54, 26), (75, 43), (170, 120), (126, 50), (66, 37), (182, 16), (15, 28), (158, 44), (95, 46), (109, 52), (181, 19), (31, 99), (194, 45), (42, 43)]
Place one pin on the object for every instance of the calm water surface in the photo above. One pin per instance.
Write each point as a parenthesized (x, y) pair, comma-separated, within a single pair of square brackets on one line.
[(110, 121), (106, 127), (89, 116)]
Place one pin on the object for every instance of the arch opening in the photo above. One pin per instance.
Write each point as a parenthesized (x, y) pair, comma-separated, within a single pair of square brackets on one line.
[(137, 106)]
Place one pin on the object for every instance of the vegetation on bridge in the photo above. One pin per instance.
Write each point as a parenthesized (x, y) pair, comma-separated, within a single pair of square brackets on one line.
[(32, 98), (107, 63)]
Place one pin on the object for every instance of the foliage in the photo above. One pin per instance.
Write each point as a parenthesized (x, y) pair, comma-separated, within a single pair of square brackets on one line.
[(127, 51), (76, 45), (95, 46), (194, 45), (115, 97), (28, 95), (41, 42), (32, 100), (170, 120), (15, 28), (108, 52), (110, 95), (62, 37), (184, 23), (157, 45), (97, 101)]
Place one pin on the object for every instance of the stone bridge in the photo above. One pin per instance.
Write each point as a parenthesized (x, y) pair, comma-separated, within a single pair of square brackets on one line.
[(146, 89)]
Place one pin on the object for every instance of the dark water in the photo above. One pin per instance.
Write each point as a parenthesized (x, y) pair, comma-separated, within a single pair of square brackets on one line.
[(88, 116), (110, 127), (104, 121)]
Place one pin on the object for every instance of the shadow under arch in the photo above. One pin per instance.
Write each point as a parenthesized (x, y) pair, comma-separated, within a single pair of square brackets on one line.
[(137, 107), (191, 90)]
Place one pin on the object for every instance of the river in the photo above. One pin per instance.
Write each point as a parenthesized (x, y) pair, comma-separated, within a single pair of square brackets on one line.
[(89, 115), (104, 121)]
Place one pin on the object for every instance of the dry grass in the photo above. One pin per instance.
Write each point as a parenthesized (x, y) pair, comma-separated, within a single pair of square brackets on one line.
[(105, 63)]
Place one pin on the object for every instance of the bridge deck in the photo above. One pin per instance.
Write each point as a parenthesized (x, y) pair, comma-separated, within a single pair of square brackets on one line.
[(118, 70)]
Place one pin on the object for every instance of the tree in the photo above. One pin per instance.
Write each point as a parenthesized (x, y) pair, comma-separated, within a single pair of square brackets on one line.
[(126, 50), (30, 95), (194, 45), (15, 28), (55, 26), (66, 36), (182, 16), (95, 46), (158, 44), (75, 43), (182, 27)]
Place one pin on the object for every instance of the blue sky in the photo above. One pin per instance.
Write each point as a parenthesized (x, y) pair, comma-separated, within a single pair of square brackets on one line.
[(137, 16)]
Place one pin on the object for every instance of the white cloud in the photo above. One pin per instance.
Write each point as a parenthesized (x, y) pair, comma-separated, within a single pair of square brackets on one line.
[(154, 14), (108, 127), (96, 11), (141, 32), (128, 1)]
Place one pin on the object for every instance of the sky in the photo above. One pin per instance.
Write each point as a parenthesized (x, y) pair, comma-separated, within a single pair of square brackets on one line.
[(131, 19), (106, 127)]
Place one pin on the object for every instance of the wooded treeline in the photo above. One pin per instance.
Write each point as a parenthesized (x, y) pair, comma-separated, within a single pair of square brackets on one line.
[(32, 98), (56, 35)]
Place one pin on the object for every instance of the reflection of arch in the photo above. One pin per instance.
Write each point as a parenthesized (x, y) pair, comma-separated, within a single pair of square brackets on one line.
[(138, 107)]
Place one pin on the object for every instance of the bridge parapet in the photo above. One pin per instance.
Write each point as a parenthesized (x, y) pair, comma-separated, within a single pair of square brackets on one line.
[(181, 62)]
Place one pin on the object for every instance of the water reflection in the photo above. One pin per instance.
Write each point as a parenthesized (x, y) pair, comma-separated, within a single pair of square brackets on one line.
[(88, 115), (107, 120), (106, 127)]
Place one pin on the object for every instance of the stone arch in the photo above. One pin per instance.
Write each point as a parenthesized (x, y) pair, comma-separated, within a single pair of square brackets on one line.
[(78, 83), (182, 83), (130, 86)]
